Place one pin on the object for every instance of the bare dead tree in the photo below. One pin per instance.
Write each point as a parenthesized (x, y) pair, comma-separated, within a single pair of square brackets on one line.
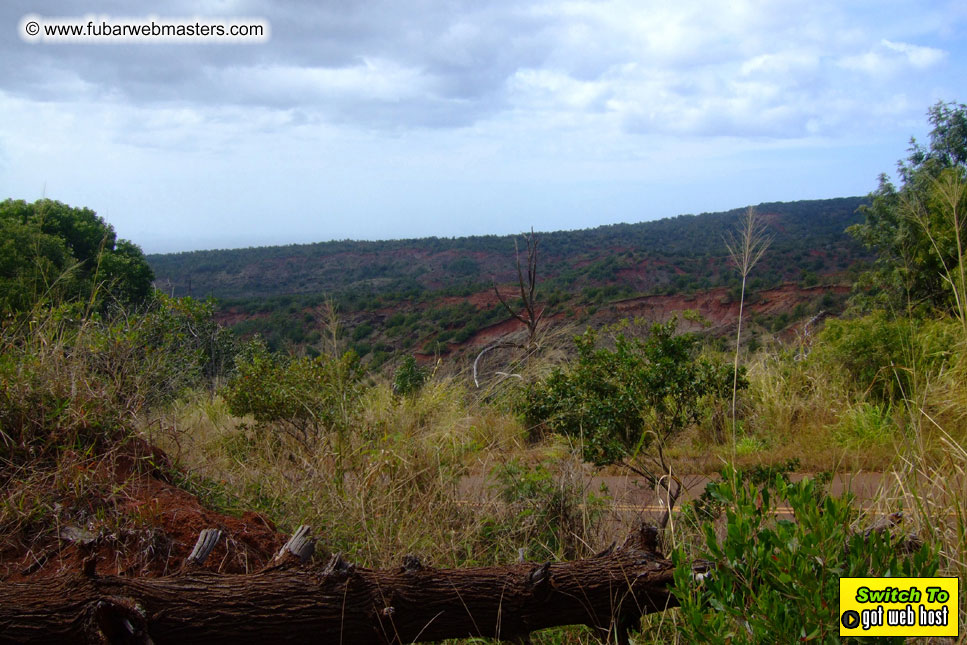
[(529, 315)]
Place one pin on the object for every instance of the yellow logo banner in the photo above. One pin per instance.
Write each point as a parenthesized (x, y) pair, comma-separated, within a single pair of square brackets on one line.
[(898, 606)]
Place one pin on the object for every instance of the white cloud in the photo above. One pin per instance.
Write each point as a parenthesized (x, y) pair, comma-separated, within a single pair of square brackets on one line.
[(887, 58), (783, 64), (919, 57)]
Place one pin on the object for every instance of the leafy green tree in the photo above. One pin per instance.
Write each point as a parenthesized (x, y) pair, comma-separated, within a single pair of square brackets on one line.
[(32, 264), (911, 268), (621, 400), (126, 272), (64, 253)]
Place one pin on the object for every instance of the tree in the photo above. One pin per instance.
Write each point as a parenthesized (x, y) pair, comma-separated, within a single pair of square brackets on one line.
[(623, 401), (530, 315), (32, 264), (303, 396), (64, 253), (126, 272), (911, 269)]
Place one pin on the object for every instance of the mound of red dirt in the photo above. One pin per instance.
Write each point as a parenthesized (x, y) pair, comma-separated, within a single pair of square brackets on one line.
[(151, 532)]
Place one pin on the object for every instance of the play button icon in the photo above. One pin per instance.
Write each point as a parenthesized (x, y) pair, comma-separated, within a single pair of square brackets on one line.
[(850, 619)]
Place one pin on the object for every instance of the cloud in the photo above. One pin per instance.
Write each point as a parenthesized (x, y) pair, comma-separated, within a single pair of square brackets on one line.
[(917, 56), (889, 58), (697, 68), (388, 112)]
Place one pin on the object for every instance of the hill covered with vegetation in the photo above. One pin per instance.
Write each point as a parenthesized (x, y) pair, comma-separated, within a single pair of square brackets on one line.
[(656, 252), (430, 295)]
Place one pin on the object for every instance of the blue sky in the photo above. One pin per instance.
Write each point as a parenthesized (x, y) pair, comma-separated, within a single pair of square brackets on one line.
[(395, 119)]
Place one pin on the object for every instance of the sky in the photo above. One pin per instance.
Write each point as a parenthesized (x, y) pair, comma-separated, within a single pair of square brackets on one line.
[(361, 119)]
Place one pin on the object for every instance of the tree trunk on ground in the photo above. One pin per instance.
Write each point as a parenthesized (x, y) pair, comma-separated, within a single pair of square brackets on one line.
[(345, 604)]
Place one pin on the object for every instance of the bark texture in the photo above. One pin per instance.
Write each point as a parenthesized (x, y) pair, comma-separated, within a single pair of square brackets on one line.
[(342, 603)]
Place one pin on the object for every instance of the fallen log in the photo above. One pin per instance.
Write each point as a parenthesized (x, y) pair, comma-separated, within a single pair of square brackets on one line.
[(341, 603)]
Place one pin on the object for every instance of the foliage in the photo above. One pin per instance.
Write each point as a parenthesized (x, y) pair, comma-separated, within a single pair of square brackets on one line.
[(777, 580), (865, 425), (909, 267), (409, 377), (32, 264), (306, 396), (67, 381), (618, 400), (546, 512), (198, 349), (51, 251), (881, 353)]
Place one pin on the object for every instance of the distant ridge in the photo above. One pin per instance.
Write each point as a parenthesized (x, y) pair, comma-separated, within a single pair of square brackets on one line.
[(652, 255)]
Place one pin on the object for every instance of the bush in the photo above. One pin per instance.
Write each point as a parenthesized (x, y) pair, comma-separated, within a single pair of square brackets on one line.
[(306, 396), (548, 513), (619, 400), (71, 381), (409, 377), (777, 581), (362, 331), (865, 425)]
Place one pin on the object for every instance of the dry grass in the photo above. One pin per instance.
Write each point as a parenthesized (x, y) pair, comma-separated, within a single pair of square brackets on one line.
[(930, 490), (398, 484)]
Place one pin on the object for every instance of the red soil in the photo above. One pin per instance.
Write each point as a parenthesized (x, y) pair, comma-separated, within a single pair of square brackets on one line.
[(157, 526), (714, 305)]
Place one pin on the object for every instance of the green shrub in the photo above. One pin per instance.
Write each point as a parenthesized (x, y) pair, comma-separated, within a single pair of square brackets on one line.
[(362, 331), (749, 445), (409, 377), (305, 396), (71, 381), (866, 424), (777, 580), (620, 400)]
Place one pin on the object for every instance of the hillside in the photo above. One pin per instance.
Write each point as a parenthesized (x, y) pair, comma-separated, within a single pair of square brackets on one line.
[(433, 295)]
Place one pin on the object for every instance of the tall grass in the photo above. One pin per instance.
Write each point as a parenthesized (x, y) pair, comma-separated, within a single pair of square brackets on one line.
[(745, 251), (413, 476)]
